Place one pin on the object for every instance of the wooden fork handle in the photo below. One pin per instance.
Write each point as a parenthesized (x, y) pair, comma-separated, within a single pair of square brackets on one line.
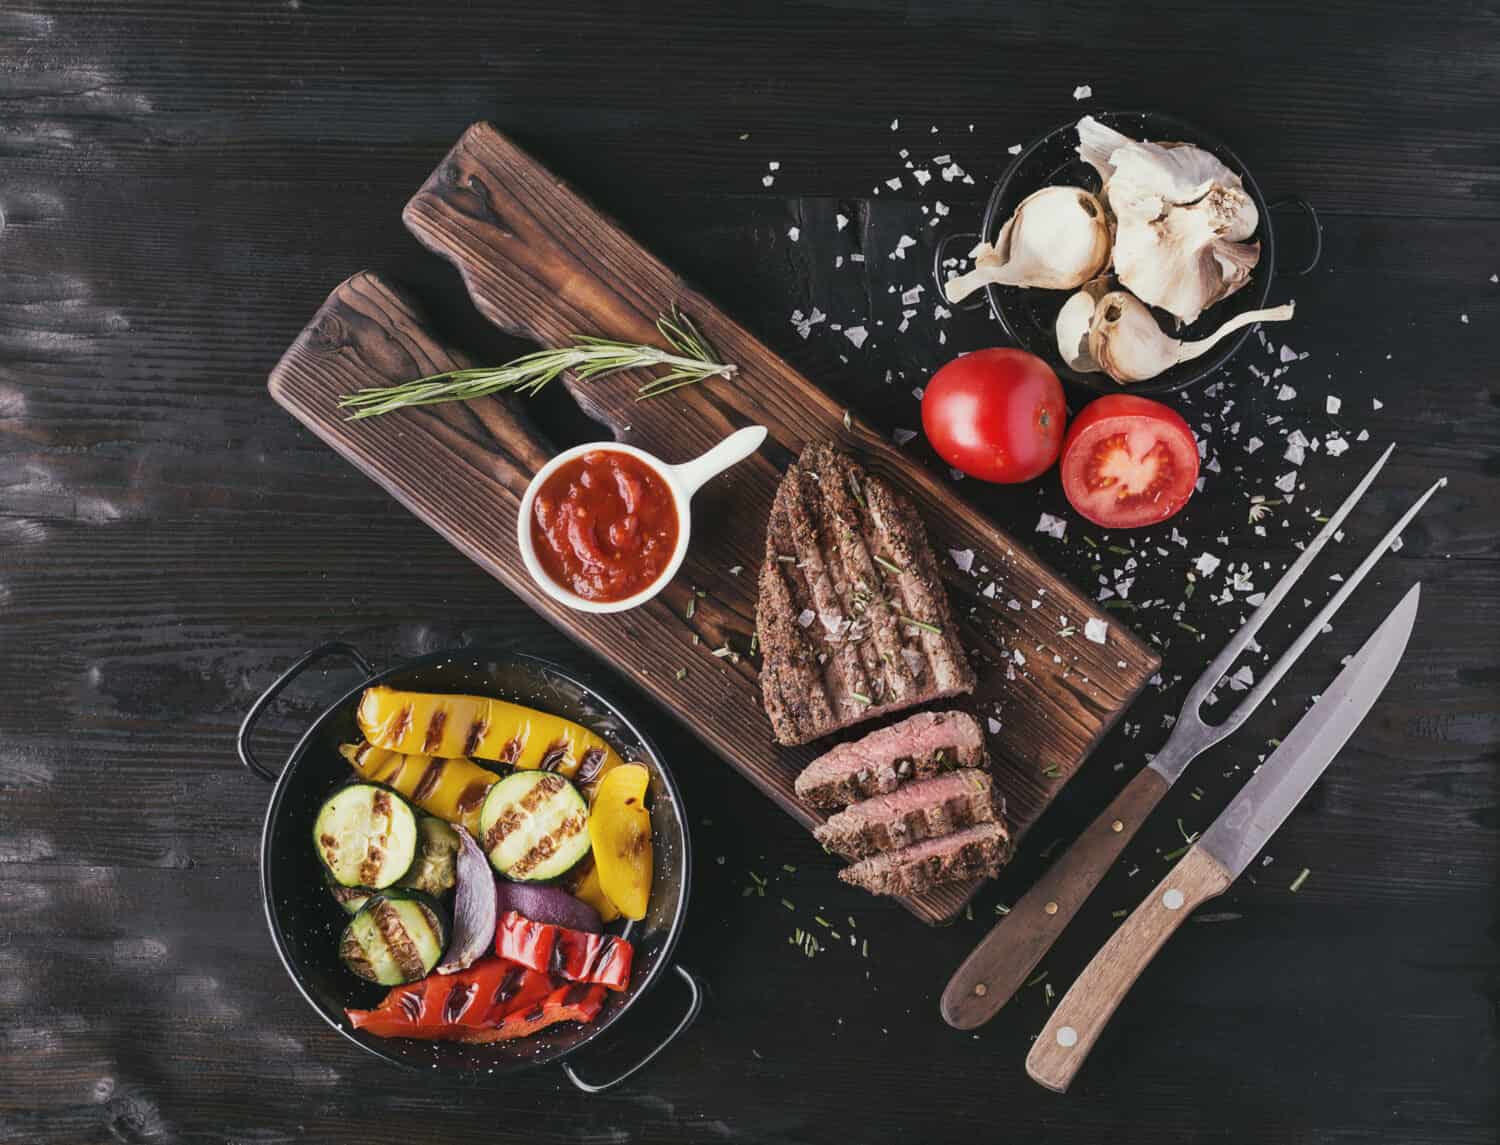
[(1077, 1020), (1002, 962)]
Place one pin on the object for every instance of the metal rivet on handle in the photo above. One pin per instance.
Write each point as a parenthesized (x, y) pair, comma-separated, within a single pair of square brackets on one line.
[(1067, 1036), (981, 989), (1050, 908), (1117, 826), (1173, 899)]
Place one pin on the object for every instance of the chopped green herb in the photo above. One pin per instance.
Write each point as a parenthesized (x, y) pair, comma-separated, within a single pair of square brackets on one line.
[(1042, 977), (820, 920), (788, 905), (862, 698), (1117, 914), (788, 868), (1115, 605), (786, 560), (1090, 542), (1050, 772), (1121, 549), (1299, 880), (922, 624), (1001, 908), (889, 566), (692, 607), (1177, 854), (681, 673)]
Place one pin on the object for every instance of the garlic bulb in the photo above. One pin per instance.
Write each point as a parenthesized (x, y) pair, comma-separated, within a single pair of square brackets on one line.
[(1057, 239), (1188, 258), (1180, 216), (1129, 346), (1073, 323)]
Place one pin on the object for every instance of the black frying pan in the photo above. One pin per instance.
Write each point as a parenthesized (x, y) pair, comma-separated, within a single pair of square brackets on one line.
[(306, 923)]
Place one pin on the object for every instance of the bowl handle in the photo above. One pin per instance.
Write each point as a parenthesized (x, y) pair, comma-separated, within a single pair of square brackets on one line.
[(695, 1003), (257, 709), (940, 280), (1307, 209)]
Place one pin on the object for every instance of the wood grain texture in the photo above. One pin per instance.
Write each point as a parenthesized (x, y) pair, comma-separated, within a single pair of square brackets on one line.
[(1079, 1018), (1000, 965), (183, 182), (463, 469)]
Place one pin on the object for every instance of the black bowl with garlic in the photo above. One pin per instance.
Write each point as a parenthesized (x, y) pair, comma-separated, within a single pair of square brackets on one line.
[(1130, 250)]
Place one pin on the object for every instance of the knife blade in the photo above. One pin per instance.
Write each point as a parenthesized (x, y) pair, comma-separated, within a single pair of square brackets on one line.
[(1223, 852), (1264, 803)]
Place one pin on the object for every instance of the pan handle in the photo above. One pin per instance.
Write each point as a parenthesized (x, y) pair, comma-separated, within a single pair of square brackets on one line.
[(1314, 224), (257, 709), (938, 255), (695, 1003)]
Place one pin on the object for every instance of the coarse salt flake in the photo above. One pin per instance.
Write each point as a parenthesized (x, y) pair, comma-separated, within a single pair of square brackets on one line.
[(993, 724), (1206, 564), (894, 182), (841, 221), (1096, 630), (1285, 394), (794, 233), (1052, 526), (902, 436), (902, 245), (1287, 481), (1014, 149), (857, 335), (963, 558), (1334, 404), (806, 617), (1082, 91)]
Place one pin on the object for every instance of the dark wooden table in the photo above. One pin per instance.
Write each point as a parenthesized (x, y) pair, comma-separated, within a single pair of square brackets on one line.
[(181, 184)]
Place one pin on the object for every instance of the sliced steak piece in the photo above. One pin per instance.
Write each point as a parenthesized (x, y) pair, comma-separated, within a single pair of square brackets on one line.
[(913, 812), (852, 619), (925, 744), (965, 854)]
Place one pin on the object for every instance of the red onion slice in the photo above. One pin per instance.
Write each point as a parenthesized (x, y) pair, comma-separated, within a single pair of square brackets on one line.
[(474, 908)]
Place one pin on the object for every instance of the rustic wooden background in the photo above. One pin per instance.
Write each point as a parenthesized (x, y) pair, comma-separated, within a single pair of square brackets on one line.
[(180, 186)]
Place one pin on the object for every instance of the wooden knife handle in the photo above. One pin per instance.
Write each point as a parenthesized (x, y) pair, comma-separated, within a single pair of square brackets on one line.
[(1002, 962), (1079, 1018)]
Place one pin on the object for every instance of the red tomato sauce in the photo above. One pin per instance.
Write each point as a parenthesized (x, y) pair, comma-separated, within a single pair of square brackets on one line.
[(604, 525)]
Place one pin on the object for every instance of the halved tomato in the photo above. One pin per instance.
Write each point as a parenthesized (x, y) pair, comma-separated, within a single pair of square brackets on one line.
[(1129, 462)]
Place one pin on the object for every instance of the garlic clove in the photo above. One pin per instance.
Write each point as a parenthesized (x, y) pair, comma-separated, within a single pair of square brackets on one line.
[(1073, 322), (1057, 239), (1096, 143), (1129, 346)]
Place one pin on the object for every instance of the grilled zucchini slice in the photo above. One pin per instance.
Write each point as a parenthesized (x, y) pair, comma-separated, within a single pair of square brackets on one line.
[(436, 870), (366, 836), (398, 936), (534, 825)]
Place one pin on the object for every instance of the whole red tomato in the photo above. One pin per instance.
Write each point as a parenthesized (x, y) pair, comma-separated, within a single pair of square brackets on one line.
[(1129, 462), (998, 415)]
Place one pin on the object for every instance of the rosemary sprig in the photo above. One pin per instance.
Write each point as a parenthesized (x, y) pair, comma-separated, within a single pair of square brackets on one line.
[(692, 358)]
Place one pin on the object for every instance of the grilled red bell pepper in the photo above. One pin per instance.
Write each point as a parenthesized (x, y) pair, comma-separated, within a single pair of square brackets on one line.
[(575, 955), (452, 1007), (571, 1002)]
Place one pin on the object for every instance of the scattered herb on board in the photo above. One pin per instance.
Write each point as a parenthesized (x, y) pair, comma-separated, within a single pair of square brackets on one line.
[(692, 358), (922, 624), (889, 566), (1299, 880)]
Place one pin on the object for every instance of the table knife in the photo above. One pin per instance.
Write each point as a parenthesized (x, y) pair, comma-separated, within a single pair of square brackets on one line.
[(1225, 850)]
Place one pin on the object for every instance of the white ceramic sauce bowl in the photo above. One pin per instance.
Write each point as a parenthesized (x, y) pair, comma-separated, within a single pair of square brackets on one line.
[(683, 480)]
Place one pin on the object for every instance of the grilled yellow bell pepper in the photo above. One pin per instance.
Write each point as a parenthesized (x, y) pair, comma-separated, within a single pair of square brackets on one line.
[(588, 890), (620, 830), (423, 723), (451, 789)]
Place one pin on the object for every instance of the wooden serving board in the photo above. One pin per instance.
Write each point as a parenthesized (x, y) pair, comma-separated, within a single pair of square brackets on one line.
[(540, 262)]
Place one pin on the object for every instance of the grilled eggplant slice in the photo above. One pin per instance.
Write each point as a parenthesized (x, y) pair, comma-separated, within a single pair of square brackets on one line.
[(366, 836), (534, 825), (398, 936)]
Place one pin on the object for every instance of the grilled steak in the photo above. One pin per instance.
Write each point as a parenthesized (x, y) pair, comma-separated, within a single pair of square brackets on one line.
[(914, 812), (919, 746), (852, 620), (965, 854)]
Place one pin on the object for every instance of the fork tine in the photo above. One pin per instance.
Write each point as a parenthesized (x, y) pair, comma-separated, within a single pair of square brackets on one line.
[(1231, 651), (1325, 614)]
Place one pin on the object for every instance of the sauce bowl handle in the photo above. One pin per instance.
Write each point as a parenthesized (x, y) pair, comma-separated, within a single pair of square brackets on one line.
[(692, 475), (257, 709), (695, 1004)]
